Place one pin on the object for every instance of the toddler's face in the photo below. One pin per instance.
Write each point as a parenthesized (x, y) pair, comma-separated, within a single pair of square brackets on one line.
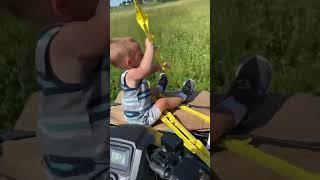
[(136, 55)]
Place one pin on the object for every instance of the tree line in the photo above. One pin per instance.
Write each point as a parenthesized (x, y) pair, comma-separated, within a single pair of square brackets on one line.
[(130, 2)]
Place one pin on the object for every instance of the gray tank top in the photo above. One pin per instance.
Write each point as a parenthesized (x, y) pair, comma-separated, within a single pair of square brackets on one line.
[(73, 118), (136, 101)]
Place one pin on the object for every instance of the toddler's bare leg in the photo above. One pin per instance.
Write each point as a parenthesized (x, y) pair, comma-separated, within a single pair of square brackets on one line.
[(161, 105), (168, 103)]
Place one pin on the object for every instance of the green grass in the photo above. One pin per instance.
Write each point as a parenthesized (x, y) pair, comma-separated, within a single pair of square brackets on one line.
[(284, 31), (182, 31), (16, 66)]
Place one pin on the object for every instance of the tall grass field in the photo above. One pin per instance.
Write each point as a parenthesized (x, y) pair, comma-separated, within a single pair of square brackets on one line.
[(284, 31), (181, 29), (16, 66)]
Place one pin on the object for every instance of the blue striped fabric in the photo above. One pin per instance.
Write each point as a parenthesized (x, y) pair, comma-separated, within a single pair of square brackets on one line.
[(136, 101), (73, 118)]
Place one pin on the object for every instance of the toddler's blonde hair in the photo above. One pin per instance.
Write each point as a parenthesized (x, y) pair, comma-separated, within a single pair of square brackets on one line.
[(119, 49)]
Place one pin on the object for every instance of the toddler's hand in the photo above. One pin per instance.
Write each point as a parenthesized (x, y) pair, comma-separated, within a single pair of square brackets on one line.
[(148, 43)]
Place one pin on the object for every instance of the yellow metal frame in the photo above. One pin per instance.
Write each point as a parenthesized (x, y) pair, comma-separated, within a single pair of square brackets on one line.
[(189, 141), (205, 118), (243, 148)]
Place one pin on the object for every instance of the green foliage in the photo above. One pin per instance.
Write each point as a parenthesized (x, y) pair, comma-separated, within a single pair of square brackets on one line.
[(284, 31), (16, 66), (181, 30)]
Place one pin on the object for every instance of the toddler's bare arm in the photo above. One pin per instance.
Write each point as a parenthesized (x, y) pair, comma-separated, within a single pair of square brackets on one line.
[(145, 68), (84, 40)]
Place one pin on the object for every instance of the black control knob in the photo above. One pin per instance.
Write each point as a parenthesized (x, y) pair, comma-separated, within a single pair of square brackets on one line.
[(113, 176)]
